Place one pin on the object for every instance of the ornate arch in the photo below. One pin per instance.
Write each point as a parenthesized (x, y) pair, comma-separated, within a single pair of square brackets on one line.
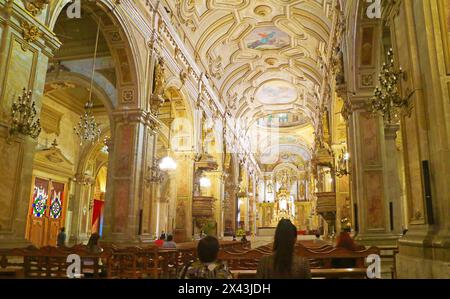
[(121, 43)]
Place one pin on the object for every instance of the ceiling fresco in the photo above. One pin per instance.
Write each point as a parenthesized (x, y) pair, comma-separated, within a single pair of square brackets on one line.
[(262, 56), (267, 38), (276, 92)]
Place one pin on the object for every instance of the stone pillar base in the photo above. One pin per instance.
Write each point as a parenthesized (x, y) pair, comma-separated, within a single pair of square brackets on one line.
[(409, 267)]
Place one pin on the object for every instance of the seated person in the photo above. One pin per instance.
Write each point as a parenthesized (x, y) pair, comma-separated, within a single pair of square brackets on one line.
[(317, 234), (207, 266), (94, 247), (244, 239), (160, 241), (284, 263), (61, 239), (170, 244), (344, 240)]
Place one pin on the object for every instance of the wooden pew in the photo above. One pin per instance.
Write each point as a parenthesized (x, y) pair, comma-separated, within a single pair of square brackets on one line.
[(242, 261), (244, 264)]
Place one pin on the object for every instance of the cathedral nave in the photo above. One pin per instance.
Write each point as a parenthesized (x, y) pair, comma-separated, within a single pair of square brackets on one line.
[(131, 120)]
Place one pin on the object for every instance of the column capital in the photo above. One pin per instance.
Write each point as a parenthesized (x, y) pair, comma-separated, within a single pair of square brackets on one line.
[(137, 116), (83, 179)]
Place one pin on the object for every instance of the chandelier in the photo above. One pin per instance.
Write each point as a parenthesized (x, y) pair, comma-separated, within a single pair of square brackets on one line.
[(167, 163), (205, 182), (342, 167), (88, 130), (23, 116), (387, 100)]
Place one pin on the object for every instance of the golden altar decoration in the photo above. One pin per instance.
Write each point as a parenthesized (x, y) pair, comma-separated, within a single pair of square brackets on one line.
[(284, 206)]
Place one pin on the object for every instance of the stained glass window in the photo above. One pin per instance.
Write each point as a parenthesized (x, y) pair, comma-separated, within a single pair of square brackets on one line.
[(56, 200), (39, 201), (55, 206)]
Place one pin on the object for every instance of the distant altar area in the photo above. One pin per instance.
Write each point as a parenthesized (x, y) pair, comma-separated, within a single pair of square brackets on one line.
[(266, 231)]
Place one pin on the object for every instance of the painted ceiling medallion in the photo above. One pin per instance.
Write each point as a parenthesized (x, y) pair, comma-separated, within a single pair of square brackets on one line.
[(267, 38), (276, 92)]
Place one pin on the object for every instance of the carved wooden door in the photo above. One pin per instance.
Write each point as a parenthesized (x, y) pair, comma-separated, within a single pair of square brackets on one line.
[(46, 212)]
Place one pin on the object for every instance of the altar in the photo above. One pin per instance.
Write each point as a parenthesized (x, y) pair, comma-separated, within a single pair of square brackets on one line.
[(266, 231)]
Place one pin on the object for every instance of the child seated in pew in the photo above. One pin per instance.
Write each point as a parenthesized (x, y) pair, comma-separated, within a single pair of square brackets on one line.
[(207, 266), (284, 263)]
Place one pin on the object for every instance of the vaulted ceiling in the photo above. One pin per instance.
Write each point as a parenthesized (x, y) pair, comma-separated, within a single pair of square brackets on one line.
[(263, 56)]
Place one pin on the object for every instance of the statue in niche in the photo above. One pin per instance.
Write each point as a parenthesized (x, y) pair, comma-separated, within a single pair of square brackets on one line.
[(338, 66), (157, 98), (209, 137), (302, 191), (160, 79)]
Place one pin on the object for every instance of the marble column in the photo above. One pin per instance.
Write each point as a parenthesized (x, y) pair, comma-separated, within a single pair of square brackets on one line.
[(183, 181), (392, 177), (79, 206), (126, 191), (23, 64), (420, 33), (372, 186)]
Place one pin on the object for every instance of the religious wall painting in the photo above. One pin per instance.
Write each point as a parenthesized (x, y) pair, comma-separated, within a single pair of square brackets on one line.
[(121, 205), (373, 181), (367, 46), (124, 148), (370, 139), (276, 92), (267, 38)]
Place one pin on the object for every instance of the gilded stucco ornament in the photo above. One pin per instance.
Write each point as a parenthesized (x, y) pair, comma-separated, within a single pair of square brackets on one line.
[(35, 7), (30, 34)]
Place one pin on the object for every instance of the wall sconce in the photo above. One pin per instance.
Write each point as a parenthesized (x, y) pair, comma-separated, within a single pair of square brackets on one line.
[(342, 167)]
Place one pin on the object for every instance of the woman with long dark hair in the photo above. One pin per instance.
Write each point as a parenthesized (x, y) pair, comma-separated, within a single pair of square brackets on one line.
[(284, 263)]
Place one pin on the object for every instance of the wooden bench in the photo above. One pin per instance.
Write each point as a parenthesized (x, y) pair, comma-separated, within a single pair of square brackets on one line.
[(321, 262), (315, 273)]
